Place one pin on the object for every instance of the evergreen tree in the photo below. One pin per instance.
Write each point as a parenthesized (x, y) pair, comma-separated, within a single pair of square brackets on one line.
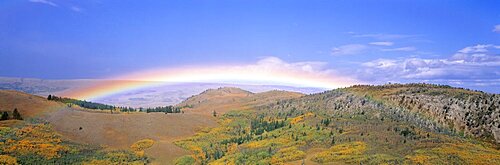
[(5, 116), (49, 97), (16, 115), (215, 114)]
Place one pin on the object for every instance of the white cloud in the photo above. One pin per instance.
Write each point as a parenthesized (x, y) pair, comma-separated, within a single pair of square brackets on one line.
[(405, 49), (349, 49), (384, 43), (476, 49), (276, 63), (381, 63), (496, 28), (76, 9), (381, 36), (479, 62), (47, 2)]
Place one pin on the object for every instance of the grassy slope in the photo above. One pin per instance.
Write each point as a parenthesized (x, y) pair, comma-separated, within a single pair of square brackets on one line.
[(100, 128), (365, 126), (28, 105), (226, 99), (31, 140), (119, 131)]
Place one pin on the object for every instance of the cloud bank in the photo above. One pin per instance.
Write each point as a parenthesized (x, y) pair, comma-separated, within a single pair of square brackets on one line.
[(472, 65)]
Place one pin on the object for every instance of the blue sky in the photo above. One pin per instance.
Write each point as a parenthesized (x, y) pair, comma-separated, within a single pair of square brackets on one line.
[(447, 42)]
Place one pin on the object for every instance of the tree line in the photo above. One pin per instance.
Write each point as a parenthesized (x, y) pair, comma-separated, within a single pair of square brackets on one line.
[(81, 103), (165, 109), (100, 106)]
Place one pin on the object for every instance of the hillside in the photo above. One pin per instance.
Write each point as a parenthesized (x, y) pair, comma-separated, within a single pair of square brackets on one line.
[(33, 140), (466, 112), (358, 125), (28, 105), (120, 131), (438, 108), (93, 131), (226, 99)]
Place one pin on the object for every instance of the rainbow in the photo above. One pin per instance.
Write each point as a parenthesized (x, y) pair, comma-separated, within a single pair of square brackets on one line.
[(249, 74)]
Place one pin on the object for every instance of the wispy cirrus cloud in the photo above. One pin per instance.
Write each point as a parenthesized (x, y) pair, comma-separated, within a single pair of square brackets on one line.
[(349, 49), (496, 28), (382, 43), (53, 4), (46, 2), (383, 36), (405, 49), (76, 9)]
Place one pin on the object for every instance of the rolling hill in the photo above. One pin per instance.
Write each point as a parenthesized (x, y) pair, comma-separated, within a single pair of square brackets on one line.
[(28, 105), (226, 99)]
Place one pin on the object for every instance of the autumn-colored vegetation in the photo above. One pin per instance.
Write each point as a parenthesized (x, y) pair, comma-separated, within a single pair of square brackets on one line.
[(37, 143), (347, 152), (8, 160), (392, 124), (139, 146), (344, 126)]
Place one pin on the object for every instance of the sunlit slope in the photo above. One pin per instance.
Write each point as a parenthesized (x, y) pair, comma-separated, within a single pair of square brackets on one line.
[(222, 100), (28, 105), (120, 131)]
